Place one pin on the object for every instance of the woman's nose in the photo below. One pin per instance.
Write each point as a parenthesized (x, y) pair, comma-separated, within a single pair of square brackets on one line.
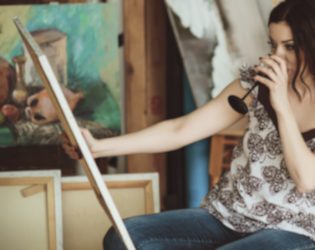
[(279, 51)]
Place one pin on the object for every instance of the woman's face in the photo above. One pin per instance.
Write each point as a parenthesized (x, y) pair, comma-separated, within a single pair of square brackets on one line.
[(282, 45)]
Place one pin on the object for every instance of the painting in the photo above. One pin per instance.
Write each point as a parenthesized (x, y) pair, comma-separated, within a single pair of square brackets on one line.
[(216, 38), (31, 211), (81, 44), (195, 38)]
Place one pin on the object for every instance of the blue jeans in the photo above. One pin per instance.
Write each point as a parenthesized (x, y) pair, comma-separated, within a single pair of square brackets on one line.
[(196, 229)]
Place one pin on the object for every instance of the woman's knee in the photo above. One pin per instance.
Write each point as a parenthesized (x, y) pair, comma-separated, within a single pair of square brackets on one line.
[(112, 240), (137, 228)]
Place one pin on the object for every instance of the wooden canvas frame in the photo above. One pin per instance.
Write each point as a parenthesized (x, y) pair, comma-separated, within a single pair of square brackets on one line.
[(40, 181), (134, 194), (148, 181), (72, 130)]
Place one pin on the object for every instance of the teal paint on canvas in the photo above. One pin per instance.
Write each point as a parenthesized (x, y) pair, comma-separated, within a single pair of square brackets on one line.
[(92, 54)]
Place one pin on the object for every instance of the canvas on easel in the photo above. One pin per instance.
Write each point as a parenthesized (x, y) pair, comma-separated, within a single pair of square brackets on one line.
[(72, 130)]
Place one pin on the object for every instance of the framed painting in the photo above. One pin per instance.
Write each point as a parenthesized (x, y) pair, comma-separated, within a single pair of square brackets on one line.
[(30, 211)]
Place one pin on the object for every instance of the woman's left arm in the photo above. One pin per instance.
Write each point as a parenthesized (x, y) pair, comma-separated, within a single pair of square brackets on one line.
[(300, 161)]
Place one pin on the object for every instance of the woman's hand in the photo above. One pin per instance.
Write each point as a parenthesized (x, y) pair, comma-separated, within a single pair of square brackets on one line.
[(73, 151), (276, 80)]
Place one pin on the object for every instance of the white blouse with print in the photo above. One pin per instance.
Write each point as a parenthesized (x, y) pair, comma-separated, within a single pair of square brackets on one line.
[(258, 192)]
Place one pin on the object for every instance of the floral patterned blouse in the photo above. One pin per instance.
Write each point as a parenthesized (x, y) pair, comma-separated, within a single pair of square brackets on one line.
[(258, 191)]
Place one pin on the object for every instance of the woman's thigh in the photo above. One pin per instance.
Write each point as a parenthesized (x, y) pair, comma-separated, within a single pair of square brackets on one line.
[(271, 239), (179, 229)]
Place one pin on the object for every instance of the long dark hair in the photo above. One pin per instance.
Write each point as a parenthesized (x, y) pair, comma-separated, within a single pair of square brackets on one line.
[(300, 16)]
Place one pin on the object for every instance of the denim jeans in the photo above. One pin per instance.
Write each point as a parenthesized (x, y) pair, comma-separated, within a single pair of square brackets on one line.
[(196, 229)]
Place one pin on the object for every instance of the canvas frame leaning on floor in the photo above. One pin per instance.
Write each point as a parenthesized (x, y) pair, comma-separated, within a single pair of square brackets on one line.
[(31, 213), (134, 194), (72, 130)]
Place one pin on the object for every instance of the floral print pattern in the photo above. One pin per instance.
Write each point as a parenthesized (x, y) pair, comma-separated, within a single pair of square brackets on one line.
[(275, 178), (263, 119)]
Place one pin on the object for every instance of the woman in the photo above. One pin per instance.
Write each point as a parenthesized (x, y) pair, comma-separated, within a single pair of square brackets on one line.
[(267, 200)]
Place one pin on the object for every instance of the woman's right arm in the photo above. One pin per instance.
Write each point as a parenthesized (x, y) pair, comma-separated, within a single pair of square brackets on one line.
[(174, 133)]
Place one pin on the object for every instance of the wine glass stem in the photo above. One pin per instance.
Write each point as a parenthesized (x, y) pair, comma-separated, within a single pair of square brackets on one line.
[(250, 90)]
